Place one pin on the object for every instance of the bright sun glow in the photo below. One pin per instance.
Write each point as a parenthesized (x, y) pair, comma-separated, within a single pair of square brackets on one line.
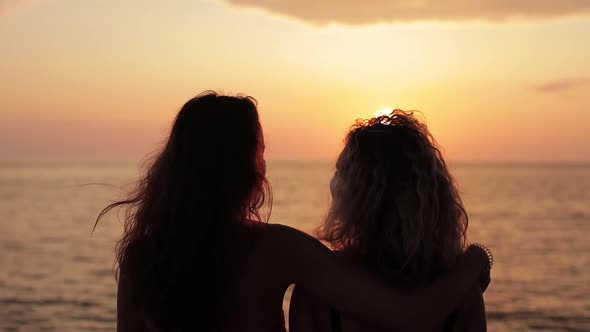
[(383, 111)]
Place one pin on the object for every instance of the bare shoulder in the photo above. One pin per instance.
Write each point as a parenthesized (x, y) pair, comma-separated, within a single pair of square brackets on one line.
[(293, 242), (279, 235), (281, 229), (275, 241), (291, 248)]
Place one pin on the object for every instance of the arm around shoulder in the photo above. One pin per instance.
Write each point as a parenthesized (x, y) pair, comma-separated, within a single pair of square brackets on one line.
[(352, 290)]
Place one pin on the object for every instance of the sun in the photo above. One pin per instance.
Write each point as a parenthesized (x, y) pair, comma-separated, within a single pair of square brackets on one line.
[(383, 112)]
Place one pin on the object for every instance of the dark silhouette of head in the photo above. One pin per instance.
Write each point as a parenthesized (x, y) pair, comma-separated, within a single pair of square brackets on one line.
[(394, 201), (181, 226)]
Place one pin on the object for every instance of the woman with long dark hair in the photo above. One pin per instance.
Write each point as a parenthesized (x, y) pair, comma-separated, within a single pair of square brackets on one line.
[(197, 254), (395, 210)]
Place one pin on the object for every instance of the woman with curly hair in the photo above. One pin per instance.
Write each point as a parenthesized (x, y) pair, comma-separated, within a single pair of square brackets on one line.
[(197, 255), (395, 210)]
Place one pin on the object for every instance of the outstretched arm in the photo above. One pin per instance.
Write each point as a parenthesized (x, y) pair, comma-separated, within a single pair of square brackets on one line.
[(309, 264)]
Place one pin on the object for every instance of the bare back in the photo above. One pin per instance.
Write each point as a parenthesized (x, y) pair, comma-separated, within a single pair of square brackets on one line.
[(260, 287), (308, 314)]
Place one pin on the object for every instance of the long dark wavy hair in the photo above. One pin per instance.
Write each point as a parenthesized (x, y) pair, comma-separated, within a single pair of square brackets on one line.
[(394, 201), (182, 221)]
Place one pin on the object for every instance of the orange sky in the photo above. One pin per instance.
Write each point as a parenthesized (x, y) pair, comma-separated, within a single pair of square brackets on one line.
[(102, 80)]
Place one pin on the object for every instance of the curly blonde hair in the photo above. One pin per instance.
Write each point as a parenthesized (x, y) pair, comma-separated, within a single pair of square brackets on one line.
[(394, 200)]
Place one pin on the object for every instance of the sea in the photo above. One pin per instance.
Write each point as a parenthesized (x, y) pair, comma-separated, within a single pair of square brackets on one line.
[(57, 275)]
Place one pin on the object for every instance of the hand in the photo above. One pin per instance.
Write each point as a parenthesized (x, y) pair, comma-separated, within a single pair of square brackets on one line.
[(482, 259), (484, 280)]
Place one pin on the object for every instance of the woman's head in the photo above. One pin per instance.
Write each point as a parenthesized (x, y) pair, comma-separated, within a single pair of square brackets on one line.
[(214, 157), (394, 200), (178, 231)]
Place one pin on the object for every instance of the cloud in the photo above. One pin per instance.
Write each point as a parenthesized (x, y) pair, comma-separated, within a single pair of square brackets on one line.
[(355, 12), (561, 85)]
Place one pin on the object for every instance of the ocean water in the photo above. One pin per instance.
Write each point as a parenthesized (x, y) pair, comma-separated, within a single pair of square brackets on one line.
[(56, 276)]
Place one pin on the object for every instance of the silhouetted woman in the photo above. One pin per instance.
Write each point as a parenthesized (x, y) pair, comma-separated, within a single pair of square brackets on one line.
[(395, 210), (195, 255)]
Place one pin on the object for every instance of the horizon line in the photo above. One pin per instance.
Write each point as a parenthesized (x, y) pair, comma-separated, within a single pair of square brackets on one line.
[(123, 161)]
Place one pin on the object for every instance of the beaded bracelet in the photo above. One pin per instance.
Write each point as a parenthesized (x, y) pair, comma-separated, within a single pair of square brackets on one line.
[(487, 251)]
